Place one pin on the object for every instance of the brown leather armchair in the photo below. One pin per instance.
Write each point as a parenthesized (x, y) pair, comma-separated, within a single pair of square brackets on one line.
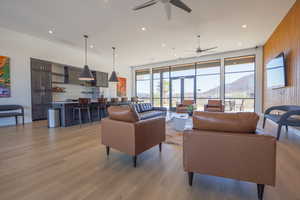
[(214, 106), (183, 107), (226, 145), (125, 132)]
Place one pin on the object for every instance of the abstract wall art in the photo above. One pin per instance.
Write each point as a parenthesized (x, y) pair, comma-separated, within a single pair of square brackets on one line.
[(121, 87), (4, 77)]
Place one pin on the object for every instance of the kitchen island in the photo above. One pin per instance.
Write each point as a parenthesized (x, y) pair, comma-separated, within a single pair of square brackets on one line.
[(69, 118)]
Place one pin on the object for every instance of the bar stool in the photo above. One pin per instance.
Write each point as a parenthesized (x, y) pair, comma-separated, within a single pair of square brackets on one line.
[(83, 104), (102, 104), (114, 100), (134, 99), (124, 99)]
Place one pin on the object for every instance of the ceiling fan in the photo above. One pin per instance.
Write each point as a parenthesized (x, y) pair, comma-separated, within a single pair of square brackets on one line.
[(199, 49), (168, 5)]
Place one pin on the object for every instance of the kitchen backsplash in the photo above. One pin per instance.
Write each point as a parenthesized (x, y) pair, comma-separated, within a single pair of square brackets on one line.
[(77, 91)]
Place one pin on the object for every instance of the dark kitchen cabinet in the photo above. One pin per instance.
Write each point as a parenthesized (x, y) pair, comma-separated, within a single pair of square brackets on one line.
[(72, 75), (101, 79), (41, 88)]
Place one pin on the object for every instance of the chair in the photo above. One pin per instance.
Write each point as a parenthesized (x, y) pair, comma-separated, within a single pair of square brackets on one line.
[(124, 99), (124, 131), (83, 104), (214, 106), (226, 145), (285, 119), (183, 107), (134, 99), (102, 105), (114, 100)]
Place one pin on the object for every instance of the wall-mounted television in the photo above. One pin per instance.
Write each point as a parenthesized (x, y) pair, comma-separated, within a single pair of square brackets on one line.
[(276, 72)]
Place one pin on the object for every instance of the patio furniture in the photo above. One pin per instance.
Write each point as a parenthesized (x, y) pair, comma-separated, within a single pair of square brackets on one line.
[(286, 119), (183, 107), (214, 106)]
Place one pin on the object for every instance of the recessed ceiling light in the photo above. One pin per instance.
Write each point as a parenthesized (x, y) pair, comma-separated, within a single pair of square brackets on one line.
[(143, 28), (92, 46), (163, 45), (244, 26), (50, 31)]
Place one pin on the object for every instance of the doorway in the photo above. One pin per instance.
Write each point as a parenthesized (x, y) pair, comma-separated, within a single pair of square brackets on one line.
[(182, 88)]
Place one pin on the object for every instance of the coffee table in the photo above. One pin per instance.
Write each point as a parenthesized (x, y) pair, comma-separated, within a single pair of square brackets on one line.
[(179, 121)]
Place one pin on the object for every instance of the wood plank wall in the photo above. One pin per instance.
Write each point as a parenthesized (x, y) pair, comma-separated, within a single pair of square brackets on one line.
[(286, 38)]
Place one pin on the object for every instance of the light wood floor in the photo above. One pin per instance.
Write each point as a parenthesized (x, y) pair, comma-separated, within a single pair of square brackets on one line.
[(37, 163)]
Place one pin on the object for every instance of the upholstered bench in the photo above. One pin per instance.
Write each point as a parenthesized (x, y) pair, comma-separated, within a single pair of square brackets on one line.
[(12, 111)]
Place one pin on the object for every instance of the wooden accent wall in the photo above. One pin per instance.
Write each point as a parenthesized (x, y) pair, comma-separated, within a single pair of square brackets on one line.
[(286, 38)]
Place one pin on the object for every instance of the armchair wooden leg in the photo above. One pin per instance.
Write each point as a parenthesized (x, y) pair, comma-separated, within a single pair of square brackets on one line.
[(160, 147), (279, 131), (191, 176), (134, 158), (260, 191), (107, 151)]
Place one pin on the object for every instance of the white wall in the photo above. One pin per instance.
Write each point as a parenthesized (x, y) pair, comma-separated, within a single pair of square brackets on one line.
[(21, 47), (258, 52)]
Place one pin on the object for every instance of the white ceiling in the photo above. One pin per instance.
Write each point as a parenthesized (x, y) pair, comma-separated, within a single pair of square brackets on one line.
[(113, 23)]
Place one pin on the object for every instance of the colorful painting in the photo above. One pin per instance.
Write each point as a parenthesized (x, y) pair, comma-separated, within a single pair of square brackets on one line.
[(4, 77), (121, 87)]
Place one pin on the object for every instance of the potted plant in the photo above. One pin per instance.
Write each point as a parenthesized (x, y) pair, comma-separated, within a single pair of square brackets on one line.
[(190, 110)]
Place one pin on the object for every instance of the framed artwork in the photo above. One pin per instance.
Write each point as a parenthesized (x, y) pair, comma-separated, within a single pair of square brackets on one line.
[(121, 87), (4, 77)]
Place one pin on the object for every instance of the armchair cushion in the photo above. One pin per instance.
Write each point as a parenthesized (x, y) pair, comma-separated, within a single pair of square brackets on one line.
[(123, 113), (227, 122)]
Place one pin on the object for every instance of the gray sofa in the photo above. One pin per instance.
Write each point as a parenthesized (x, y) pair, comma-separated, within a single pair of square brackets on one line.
[(146, 111)]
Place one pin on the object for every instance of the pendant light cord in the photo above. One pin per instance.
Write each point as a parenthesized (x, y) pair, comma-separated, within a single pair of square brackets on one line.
[(114, 57), (86, 37)]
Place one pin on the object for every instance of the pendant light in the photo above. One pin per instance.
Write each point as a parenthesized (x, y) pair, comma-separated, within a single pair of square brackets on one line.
[(113, 76), (86, 74)]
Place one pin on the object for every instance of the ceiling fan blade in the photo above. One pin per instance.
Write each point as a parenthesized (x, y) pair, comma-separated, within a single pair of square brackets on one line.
[(180, 4), (190, 51), (144, 5), (203, 50), (168, 10)]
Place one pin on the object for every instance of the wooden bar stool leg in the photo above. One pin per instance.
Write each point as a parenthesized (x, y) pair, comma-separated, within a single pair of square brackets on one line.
[(99, 113), (89, 114)]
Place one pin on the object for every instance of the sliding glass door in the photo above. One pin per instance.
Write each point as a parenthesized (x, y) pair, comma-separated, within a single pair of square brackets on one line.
[(182, 88)]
